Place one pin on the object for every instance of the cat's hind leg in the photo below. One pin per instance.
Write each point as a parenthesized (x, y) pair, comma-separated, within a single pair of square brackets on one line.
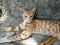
[(48, 41)]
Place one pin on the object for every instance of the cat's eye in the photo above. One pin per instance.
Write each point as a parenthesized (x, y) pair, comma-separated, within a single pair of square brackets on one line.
[(25, 16), (31, 16)]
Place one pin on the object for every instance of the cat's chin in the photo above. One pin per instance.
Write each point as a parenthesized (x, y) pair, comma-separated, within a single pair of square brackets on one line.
[(29, 22)]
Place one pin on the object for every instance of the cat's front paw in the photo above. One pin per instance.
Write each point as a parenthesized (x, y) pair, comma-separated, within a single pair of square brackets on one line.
[(10, 38), (14, 38)]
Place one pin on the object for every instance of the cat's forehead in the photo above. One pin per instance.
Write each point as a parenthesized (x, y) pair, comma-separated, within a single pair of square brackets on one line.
[(28, 12)]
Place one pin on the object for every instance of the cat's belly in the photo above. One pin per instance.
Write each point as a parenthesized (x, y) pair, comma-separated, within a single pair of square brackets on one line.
[(49, 33), (44, 33)]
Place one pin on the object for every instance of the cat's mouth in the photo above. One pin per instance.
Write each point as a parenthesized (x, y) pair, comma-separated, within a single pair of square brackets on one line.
[(29, 22)]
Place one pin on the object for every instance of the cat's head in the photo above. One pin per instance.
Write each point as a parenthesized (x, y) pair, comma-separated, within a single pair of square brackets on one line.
[(27, 15)]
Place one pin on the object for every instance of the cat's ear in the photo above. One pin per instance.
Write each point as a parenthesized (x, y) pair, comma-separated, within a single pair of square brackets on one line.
[(22, 10), (34, 9)]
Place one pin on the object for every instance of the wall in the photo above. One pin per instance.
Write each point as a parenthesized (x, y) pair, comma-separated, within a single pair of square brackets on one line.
[(46, 9)]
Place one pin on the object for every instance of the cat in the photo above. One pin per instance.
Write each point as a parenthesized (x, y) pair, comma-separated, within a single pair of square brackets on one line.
[(45, 27)]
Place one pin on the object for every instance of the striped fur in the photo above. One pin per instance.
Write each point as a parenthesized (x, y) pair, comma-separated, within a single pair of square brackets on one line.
[(45, 27)]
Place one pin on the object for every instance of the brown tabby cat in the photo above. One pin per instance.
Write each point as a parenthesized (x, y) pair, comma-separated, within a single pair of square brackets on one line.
[(45, 27)]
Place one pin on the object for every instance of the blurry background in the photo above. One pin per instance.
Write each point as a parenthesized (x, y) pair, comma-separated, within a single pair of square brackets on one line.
[(46, 9)]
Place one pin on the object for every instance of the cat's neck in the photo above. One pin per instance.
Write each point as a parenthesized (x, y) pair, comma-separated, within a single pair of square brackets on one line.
[(22, 25)]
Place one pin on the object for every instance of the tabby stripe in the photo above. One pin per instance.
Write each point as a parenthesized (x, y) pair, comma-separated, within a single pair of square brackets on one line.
[(12, 28), (19, 36), (24, 34), (19, 27), (41, 22), (16, 36)]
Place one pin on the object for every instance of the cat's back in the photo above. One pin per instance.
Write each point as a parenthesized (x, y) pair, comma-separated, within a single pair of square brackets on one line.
[(51, 23), (45, 21)]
